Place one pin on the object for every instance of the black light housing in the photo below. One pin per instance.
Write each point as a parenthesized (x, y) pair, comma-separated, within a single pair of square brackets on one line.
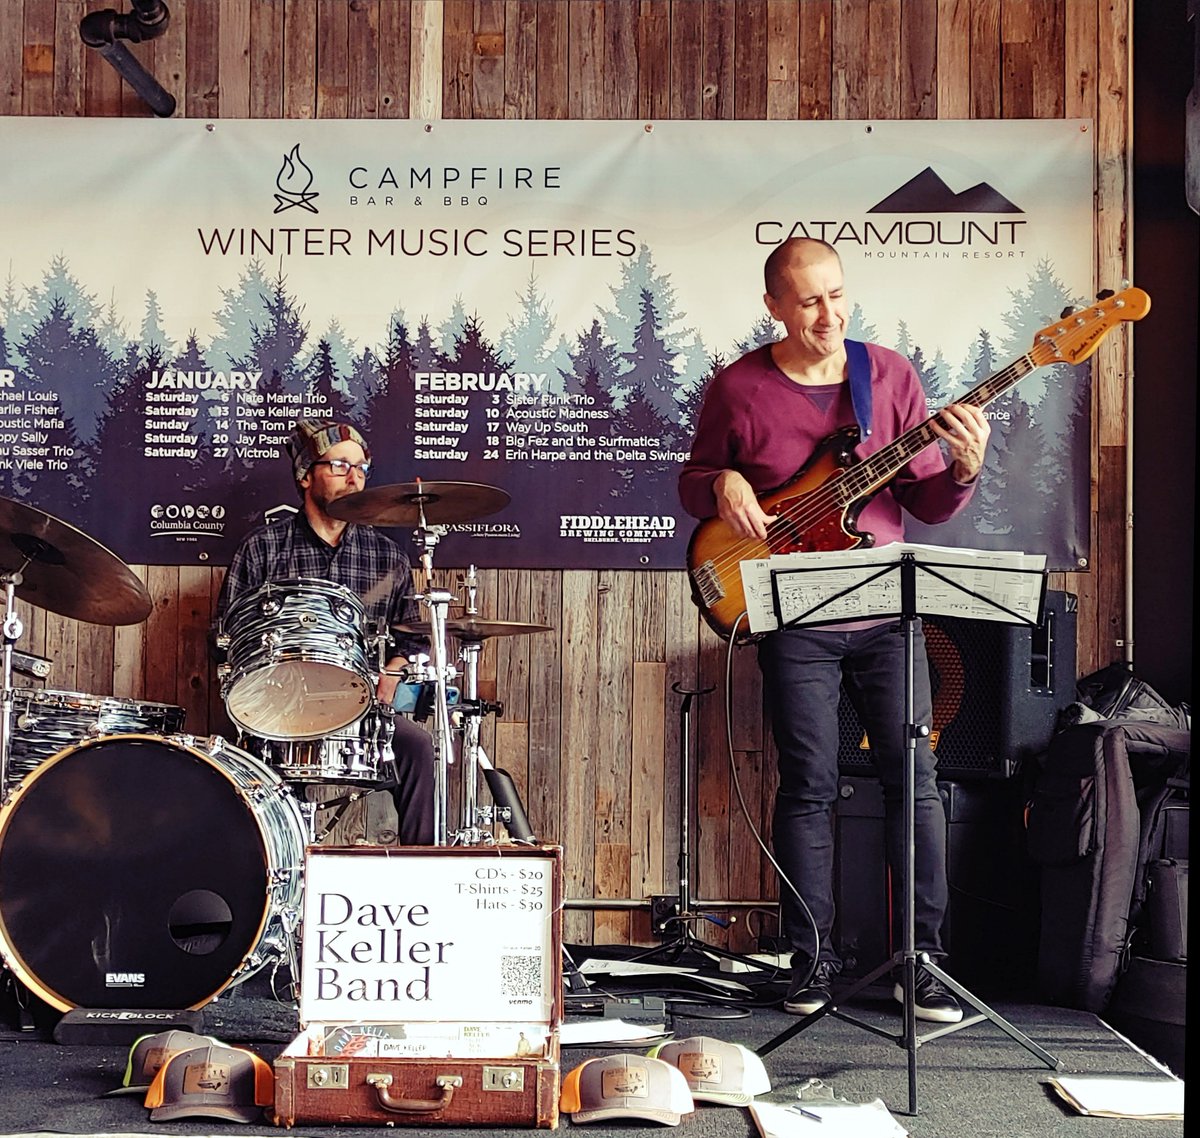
[(104, 30)]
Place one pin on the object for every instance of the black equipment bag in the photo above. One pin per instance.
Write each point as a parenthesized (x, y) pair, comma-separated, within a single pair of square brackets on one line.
[(1096, 798)]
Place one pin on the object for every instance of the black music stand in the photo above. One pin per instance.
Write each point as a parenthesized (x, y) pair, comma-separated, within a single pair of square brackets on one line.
[(909, 603)]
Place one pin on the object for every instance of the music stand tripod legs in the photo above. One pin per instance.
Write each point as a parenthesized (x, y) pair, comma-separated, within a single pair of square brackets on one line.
[(908, 959), (686, 912)]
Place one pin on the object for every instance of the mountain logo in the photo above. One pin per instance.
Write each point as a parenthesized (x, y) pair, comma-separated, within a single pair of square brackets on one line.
[(927, 193), (293, 183)]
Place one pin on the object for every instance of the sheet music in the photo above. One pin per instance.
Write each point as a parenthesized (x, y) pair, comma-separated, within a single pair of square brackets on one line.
[(858, 584)]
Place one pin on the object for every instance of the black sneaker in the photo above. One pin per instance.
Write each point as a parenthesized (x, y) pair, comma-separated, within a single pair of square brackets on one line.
[(803, 999), (934, 1001)]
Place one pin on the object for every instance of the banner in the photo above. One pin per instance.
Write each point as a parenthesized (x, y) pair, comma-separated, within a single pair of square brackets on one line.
[(534, 306)]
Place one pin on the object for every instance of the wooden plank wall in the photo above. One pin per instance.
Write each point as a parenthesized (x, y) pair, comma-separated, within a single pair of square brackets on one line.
[(591, 724)]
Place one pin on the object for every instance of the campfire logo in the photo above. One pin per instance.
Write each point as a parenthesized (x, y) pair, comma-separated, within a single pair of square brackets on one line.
[(293, 182)]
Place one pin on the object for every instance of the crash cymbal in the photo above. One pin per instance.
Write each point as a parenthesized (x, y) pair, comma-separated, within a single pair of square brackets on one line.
[(472, 628), (403, 503), (67, 572)]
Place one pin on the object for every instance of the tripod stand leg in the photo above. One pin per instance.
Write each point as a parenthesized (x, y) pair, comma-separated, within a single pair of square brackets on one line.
[(985, 1013)]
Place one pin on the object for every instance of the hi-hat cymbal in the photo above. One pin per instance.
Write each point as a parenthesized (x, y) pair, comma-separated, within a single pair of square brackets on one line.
[(404, 503), (471, 628), (67, 572)]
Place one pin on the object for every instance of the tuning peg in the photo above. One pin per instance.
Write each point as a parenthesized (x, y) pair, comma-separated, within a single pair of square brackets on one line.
[(1070, 310), (1104, 294)]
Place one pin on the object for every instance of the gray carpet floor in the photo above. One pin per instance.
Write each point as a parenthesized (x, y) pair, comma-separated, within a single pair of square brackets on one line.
[(974, 1083)]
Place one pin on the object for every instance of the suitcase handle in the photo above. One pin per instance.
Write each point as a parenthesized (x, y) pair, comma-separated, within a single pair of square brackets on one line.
[(381, 1083)]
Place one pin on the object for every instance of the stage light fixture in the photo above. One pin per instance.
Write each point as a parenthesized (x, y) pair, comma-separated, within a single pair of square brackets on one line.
[(104, 30)]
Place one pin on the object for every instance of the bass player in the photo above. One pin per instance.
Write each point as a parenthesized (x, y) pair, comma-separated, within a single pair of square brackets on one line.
[(763, 419)]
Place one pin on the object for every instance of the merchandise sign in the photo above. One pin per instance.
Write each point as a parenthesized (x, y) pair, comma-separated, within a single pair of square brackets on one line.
[(535, 306), (420, 938)]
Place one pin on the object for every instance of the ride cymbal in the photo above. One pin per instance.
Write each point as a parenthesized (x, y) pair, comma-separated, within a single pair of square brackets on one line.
[(472, 629), (67, 572), (411, 503)]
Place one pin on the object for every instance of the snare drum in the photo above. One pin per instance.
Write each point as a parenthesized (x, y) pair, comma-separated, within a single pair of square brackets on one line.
[(141, 872), (353, 755), (46, 722), (297, 660)]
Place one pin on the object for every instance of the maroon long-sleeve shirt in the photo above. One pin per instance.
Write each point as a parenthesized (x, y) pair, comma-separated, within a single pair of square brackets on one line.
[(757, 421)]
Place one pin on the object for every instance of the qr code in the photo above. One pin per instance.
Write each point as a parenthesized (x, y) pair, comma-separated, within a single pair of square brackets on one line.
[(521, 975)]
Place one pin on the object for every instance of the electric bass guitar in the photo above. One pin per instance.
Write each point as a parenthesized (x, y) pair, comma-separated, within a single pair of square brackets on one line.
[(817, 509)]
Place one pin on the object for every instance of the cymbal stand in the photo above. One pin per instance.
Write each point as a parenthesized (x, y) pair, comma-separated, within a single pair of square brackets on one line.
[(469, 713), (437, 602), (13, 629), (470, 833)]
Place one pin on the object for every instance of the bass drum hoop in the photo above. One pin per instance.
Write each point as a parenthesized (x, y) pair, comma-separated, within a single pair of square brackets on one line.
[(63, 860)]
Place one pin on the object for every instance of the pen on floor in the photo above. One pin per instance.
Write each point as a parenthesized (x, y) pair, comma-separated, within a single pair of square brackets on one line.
[(806, 1113)]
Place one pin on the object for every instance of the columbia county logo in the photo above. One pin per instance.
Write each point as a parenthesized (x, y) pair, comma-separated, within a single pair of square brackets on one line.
[(293, 183)]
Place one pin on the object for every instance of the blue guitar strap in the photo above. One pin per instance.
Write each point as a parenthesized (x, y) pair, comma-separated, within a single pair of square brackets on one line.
[(860, 383)]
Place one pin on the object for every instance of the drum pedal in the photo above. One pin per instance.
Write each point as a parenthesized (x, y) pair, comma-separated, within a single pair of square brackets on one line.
[(122, 1025)]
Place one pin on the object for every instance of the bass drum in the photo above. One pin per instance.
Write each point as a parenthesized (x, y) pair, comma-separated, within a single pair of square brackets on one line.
[(142, 872)]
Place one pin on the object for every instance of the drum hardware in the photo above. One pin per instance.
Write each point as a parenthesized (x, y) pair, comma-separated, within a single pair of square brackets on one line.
[(471, 632), (339, 806), (27, 664), (437, 603), (508, 807), (57, 567), (430, 507)]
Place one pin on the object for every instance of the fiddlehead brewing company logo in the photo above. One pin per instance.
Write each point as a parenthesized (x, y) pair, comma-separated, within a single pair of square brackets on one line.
[(293, 183)]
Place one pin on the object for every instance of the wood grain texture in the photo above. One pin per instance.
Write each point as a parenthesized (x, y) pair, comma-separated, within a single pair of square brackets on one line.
[(591, 730)]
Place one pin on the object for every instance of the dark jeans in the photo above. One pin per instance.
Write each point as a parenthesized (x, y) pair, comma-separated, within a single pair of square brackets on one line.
[(412, 786), (803, 672)]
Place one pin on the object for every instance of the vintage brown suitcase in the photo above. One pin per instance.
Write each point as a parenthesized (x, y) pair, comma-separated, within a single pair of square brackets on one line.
[(417, 1092), (431, 989)]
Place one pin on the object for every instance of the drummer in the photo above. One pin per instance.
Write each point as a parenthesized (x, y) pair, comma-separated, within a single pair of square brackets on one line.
[(330, 460)]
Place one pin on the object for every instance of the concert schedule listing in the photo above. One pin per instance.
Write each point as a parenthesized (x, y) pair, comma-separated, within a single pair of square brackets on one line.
[(199, 457), (33, 434)]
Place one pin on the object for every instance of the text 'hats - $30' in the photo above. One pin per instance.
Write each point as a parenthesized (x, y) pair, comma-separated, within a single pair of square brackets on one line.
[(150, 1052), (716, 1071), (626, 1086), (213, 1081)]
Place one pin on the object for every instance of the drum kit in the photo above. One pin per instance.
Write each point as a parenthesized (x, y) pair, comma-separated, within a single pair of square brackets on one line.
[(143, 867)]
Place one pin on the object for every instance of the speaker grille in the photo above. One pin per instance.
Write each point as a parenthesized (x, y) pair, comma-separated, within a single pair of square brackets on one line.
[(997, 692)]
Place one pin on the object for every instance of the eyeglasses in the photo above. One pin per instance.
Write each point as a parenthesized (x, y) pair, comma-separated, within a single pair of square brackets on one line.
[(340, 468)]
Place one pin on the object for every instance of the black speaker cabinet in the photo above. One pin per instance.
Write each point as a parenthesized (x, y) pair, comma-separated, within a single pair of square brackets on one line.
[(991, 929), (997, 692)]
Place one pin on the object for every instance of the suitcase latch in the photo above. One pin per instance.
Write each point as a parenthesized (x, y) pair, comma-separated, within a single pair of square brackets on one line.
[(329, 1076), (503, 1078)]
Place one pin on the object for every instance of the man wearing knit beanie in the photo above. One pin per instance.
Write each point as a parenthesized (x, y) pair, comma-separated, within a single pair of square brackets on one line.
[(331, 459)]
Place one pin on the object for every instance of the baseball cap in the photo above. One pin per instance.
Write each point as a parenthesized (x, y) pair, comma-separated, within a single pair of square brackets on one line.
[(149, 1053), (716, 1071), (626, 1086), (213, 1081), (311, 438)]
